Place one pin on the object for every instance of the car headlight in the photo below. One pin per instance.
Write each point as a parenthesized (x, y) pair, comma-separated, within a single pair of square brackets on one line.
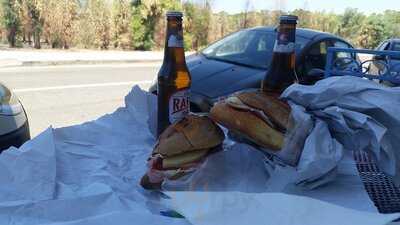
[(9, 104)]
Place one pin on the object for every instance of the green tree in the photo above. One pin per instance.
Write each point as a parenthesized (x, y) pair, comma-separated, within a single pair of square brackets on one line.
[(350, 23), (197, 20), (121, 19), (140, 41), (305, 17), (140, 24), (190, 10), (2, 27), (147, 14), (218, 27), (391, 19), (58, 18), (69, 17), (10, 20), (328, 22), (372, 32), (99, 15), (34, 22), (84, 35)]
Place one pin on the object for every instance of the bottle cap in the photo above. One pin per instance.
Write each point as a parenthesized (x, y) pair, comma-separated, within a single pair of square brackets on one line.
[(174, 14), (288, 19)]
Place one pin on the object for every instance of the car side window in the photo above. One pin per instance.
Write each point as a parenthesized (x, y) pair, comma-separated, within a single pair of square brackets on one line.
[(300, 43), (379, 47), (387, 47), (396, 46), (340, 44), (383, 46), (315, 58)]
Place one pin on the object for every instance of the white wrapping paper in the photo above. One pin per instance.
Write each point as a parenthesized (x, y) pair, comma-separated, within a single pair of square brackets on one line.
[(89, 174), (236, 208), (348, 113)]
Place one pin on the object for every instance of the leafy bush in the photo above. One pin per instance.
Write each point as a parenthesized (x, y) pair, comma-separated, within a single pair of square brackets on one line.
[(140, 24)]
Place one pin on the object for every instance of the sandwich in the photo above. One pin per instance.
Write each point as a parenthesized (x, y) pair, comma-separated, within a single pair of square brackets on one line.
[(261, 118), (181, 148)]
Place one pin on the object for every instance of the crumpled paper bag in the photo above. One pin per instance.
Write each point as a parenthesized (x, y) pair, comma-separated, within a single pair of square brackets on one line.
[(346, 114)]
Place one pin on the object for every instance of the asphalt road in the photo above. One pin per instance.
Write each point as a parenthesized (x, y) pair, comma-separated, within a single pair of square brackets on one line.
[(61, 96)]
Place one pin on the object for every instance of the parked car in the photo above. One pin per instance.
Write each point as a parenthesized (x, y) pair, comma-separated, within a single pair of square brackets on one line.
[(381, 65), (14, 126), (241, 60)]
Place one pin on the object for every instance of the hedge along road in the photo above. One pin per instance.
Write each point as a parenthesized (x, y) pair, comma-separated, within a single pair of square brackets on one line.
[(67, 95)]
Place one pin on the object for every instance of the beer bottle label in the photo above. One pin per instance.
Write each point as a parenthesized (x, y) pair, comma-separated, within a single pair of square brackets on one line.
[(179, 105), (288, 48), (285, 42), (175, 41)]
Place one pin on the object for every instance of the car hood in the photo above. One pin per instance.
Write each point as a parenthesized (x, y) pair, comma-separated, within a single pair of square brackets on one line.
[(214, 78), (202, 68)]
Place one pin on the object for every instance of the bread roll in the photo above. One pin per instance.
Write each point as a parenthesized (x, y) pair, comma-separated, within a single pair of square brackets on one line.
[(178, 161), (189, 134), (248, 124), (180, 148), (275, 109)]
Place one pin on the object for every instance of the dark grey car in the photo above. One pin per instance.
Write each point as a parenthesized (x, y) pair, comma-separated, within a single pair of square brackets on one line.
[(240, 61)]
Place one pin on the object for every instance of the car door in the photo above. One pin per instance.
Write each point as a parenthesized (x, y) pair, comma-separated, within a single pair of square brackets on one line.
[(379, 63), (394, 63), (315, 56), (383, 46), (345, 60)]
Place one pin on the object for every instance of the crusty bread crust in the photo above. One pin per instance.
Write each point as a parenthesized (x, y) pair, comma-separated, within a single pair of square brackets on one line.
[(177, 161), (248, 124), (182, 145), (189, 134), (275, 109)]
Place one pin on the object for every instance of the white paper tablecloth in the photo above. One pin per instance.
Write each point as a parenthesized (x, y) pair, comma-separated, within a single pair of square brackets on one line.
[(236, 208), (89, 174)]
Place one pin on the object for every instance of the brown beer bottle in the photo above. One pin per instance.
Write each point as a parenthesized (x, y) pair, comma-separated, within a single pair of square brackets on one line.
[(173, 78), (281, 73)]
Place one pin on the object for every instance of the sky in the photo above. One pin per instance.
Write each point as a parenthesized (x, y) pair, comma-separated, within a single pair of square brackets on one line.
[(337, 6)]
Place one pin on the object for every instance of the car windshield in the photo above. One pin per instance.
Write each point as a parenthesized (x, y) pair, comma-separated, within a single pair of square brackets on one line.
[(248, 47)]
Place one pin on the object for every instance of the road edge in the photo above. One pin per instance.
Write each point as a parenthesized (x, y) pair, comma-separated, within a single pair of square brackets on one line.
[(74, 62)]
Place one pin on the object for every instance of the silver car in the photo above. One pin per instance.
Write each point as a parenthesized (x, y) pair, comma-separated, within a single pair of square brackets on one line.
[(14, 126)]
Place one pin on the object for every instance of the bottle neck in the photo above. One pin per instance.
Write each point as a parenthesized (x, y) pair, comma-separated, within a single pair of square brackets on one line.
[(281, 73), (286, 39), (173, 50)]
